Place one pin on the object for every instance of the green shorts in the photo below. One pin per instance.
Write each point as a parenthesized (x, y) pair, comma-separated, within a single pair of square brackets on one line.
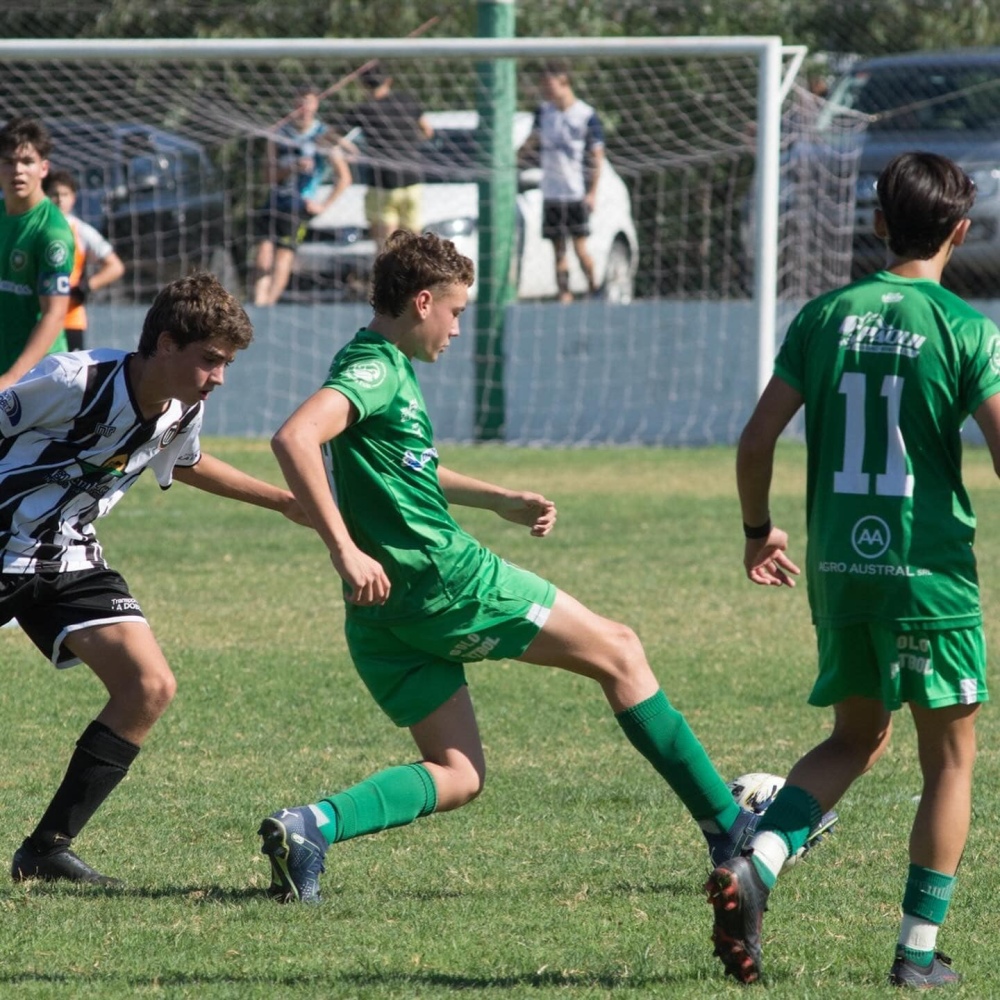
[(929, 668), (413, 669)]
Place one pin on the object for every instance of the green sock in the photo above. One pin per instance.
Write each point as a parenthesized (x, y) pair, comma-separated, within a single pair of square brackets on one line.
[(925, 905), (792, 814), (661, 734), (393, 797)]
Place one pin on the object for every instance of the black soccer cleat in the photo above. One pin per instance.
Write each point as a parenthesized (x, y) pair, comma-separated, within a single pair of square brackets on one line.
[(939, 972), (57, 864), (739, 898)]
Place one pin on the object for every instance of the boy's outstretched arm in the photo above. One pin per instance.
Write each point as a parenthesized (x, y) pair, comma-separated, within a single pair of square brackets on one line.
[(764, 556), (530, 509), (215, 476), (296, 445)]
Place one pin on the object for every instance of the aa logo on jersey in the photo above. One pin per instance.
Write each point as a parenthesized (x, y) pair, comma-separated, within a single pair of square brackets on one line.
[(18, 259), (368, 374), (870, 537), (56, 253)]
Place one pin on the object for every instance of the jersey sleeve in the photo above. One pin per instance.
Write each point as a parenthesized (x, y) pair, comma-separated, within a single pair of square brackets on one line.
[(93, 244), (981, 371), (368, 381), (789, 365), (55, 251), (595, 132), (47, 396), (184, 450)]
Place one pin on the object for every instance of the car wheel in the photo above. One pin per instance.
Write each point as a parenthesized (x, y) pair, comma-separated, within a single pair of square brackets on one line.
[(619, 283)]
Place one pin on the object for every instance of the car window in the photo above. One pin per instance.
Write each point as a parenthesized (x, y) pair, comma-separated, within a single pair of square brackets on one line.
[(921, 97)]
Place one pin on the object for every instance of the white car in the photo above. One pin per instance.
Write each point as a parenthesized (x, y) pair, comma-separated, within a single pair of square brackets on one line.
[(337, 254)]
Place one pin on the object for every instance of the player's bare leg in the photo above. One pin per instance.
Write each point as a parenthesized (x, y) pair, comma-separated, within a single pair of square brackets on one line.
[(280, 274), (861, 731), (263, 263), (451, 750), (562, 270), (140, 685), (576, 639), (586, 261)]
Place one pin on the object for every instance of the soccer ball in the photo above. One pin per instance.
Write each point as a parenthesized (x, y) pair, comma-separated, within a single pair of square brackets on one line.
[(756, 790)]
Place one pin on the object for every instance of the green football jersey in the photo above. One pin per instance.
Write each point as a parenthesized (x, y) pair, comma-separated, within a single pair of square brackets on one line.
[(36, 258), (889, 368), (384, 477)]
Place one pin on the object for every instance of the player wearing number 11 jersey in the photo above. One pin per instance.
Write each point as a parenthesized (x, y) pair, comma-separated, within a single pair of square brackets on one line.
[(887, 369)]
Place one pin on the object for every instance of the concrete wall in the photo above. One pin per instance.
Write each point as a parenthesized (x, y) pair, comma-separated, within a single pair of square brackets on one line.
[(656, 372)]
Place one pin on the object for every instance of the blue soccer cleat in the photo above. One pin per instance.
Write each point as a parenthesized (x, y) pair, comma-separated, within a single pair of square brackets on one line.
[(722, 847), (739, 899), (296, 849)]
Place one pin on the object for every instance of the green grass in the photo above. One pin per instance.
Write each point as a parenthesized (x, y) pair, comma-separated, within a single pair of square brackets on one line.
[(576, 874)]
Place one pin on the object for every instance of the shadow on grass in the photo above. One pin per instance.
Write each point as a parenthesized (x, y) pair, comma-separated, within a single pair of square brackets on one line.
[(409, 982)]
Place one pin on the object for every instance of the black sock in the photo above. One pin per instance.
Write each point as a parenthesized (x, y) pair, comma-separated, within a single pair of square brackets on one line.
[(100, 761)]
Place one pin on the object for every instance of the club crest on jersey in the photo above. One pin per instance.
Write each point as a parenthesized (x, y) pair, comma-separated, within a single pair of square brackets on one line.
[(56, 253), (368, 374), (170, 433), (870, 537), (18, 259), (11, 405)]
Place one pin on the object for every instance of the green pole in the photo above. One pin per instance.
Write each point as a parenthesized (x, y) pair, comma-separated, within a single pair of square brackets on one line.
[(496, 96)]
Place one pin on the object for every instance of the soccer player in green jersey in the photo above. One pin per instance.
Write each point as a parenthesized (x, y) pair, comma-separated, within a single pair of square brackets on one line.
[(888, 369), (424, 597), (36, 253)]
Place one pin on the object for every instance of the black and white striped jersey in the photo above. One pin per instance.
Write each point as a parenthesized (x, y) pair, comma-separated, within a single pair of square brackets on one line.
[(72, 441)]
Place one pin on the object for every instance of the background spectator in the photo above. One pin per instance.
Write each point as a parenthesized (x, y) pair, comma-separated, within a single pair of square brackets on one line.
[(572, 152), (93, 253), (394, 127), (295, 172)]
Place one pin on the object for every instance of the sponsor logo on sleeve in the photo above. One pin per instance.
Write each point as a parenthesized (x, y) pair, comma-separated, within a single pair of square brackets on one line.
[(367, 374), (56, 253), (11, 405), (994, 351)]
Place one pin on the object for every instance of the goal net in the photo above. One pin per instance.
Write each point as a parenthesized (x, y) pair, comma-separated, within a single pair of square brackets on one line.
[(174, 147)]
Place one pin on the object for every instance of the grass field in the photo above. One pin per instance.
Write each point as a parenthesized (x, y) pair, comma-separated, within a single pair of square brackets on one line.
[(576, 874)]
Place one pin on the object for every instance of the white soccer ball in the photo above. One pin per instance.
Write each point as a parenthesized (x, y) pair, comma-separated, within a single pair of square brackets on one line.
[(756, 790)]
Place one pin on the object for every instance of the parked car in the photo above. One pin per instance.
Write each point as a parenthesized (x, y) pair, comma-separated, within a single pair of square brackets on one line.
[(337, 255), (941, 102), (156, 195)]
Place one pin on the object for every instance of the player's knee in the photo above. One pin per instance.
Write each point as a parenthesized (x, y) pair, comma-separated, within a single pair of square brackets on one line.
[(156, 690)]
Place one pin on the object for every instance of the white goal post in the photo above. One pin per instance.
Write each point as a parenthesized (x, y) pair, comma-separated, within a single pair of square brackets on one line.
[(222, 96)]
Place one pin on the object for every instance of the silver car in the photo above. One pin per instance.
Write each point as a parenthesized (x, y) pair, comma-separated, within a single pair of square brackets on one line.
[(336, 257)]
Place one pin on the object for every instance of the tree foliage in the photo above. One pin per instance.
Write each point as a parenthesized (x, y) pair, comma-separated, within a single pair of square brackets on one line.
[(865, 27)]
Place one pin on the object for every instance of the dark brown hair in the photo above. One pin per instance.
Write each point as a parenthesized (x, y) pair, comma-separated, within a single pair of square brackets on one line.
[(195, 308), (410, 263), (25, 130)]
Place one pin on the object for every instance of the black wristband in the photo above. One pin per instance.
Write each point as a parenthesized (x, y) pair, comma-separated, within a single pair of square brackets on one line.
[(761, 531)]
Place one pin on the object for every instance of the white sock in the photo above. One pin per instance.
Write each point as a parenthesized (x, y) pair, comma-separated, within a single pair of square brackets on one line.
[(917, 934), (771, 850)]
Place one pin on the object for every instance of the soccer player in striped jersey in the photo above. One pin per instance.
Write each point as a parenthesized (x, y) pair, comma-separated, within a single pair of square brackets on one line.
[(424, 597), (888, 369), (75, 433)]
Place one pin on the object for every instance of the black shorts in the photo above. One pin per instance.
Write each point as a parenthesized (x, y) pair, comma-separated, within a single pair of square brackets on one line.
[(564, 218), (48, 606), (281, 219)]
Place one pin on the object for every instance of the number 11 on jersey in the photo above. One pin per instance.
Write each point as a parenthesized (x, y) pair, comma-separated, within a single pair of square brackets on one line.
[(894, 481)]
